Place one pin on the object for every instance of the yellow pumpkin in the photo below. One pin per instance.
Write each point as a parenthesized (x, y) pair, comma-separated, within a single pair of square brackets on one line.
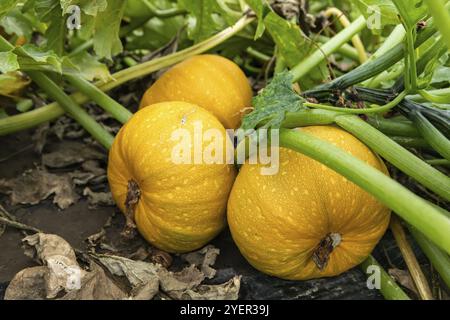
[(209, 81), (307, 221), (177, 207)]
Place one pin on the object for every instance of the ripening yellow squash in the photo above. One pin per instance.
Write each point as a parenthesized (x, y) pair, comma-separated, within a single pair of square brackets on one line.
[(177, 206), (307, 221), (209, 81)]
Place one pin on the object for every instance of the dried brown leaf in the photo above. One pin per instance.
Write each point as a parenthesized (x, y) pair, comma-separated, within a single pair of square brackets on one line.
[(36, 185), (69, 153)]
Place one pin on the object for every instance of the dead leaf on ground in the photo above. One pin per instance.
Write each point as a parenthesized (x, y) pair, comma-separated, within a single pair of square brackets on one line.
[(204, 259), (98, 198), (403, 277), (69, 153), (60, 276), (225, 291), (36, 185), (146, 279)]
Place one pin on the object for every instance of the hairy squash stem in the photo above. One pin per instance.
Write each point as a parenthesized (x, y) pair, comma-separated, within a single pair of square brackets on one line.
[(356, 40), (346, 50), (53, 110), (119, 112), (410, 259), (438, 162), (393, 128), (306, 65), (432, 222), (73, 109), (397, 155), (439, 259), (443, 96), (388, 287), (432, 135), (411, 142)]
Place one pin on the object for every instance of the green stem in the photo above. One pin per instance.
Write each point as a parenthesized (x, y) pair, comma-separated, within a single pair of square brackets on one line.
[(388, 287), (73, 109), (439, 259), (381, 109), (394, 128), (411, 142), (397, 155), (119, 112), (166, 13), (441, 18), (432, 135), (435, 98), (438, 162), (52, 111), (346, 50), (413, 209), (313, 117), (410, 62), (257, 54), (377, 65), (306, 65), (148, 67)]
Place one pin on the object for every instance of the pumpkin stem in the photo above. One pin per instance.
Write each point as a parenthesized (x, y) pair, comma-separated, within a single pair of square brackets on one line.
[(323, 250), (133, 196)]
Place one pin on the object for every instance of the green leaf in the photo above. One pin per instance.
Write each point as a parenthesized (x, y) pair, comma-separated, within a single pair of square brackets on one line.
[(90, 7), (294, 46), (204, 19), (258, 6), (36, 55), (50, 12), (8, 62), (378, 13), (85, 65), (106, 39), (15, 22), (273, 102), (156, 33), (411, 11)]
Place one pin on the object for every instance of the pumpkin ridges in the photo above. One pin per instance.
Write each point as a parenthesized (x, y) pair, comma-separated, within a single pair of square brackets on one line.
[(274, 230), (210, 81), (188, 215)]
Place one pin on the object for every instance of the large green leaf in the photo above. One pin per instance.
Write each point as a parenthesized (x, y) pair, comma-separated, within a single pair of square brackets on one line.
[(206, 17), (378, 13), (412, 11), (17, 23), (273, 102), (294, 46), (106, 39)]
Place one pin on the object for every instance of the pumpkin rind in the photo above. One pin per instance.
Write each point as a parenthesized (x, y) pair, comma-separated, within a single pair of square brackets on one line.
[(181, 206), (278, 221), (209, 81)]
